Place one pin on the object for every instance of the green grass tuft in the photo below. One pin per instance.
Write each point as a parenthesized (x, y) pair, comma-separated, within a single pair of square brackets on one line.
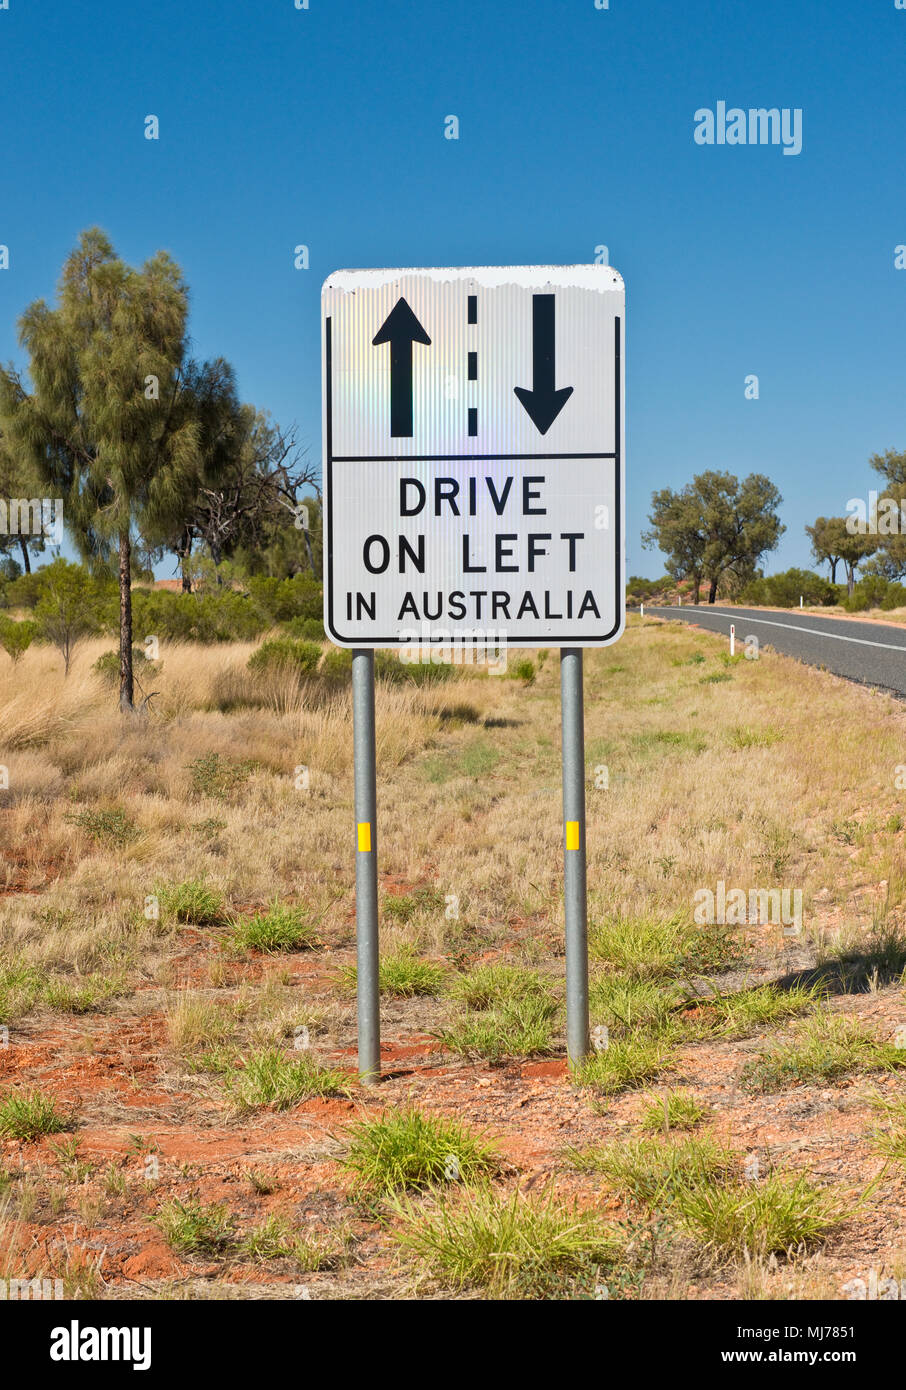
[(269, 1078), (192, 902), (673, 1110), (28, 1115), (648, 947), (891, 1141), (826, 1047), (624, 1064), (194, 1227), (493, 986), (407, 1149), (511, 1247), (654, 1172), (627, 1005), (402, 974), (519, 1028), (281, 928), (736, 1015), (779, 1216)]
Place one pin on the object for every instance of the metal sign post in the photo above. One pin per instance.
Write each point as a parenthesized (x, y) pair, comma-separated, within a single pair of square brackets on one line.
[(574, 890), (473, 501), (366, 892)]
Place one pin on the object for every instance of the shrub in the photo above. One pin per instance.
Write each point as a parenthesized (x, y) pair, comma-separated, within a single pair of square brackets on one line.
[(285, 654), (107, 666), (24, 591), (288, 600), (220, 616), (874, 591), (523, 670), (110, 827), (336, 666), (215, 776), (16, 638), (388, 667), (71, 605), (307, 629), (639, 588), (783, 590)]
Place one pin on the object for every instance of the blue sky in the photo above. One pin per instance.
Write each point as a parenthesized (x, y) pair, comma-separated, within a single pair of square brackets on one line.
[(325, 127)]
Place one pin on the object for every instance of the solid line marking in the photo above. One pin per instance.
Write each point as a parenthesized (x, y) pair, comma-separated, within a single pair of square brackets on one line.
[(814, 632), (572, 834), (364, 829)]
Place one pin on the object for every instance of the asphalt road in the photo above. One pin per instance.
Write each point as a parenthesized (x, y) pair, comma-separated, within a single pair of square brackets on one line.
[(872, 653)]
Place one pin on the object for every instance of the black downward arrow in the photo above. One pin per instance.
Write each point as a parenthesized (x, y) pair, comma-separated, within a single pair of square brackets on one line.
[(544, 402), (401, 329)]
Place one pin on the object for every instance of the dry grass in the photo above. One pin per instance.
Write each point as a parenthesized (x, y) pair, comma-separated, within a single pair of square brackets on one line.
[(475, 761), (708, 781)]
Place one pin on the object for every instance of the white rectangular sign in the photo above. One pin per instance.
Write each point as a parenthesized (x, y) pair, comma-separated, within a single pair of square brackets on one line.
[(473, 456)]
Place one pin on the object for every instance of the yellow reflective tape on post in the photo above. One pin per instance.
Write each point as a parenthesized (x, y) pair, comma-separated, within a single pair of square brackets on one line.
[(364, 828), (572, 834)]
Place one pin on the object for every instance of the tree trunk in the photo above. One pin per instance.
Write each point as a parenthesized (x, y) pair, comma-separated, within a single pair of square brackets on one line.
[(712, 591), (184, 563), (850, 578), (26, 562), (696, 582), (126, 688), (833, 565)]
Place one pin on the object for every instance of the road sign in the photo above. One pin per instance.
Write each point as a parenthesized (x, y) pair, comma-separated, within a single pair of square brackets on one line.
[(473, 456)]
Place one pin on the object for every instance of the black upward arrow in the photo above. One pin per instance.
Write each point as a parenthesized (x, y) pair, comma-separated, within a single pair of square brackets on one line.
[(544, 402), (400, 329)]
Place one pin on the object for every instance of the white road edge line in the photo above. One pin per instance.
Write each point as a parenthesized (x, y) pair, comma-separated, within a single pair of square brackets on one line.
[(813, 632)]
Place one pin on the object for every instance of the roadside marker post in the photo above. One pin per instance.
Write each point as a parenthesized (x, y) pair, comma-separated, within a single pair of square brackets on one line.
[(474, 487), (732, 639)]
